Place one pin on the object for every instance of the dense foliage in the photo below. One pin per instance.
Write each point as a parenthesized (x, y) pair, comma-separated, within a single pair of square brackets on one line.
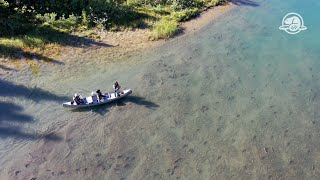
[(16, 17)]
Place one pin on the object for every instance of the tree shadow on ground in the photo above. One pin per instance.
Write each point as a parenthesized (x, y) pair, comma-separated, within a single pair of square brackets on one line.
[(245, 3), (11, 118), (35, 34), (11, 112), (9, 89), (48, 36), (18, 53), (6, 68)]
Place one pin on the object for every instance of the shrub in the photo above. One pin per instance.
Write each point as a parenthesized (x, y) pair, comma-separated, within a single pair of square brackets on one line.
[(185, 4), (66, 25), (213, 2), (184, 15), (47, 17), (85, 19), (146, 2), (62, 24), (32, 42), (164, 29)]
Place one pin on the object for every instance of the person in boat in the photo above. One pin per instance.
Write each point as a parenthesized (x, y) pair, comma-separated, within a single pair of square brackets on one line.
[(77, 98), (116, 88), (100, 95)]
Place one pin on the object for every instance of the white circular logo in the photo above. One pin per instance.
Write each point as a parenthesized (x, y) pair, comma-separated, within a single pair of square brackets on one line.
[(292, 23)]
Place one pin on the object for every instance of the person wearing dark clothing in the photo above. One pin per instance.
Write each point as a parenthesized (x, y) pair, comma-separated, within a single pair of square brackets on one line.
[(116, 88), (100, 95), (78, 99)]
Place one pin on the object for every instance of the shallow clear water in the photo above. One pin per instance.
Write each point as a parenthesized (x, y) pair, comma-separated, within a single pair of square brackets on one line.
[(238, 99)]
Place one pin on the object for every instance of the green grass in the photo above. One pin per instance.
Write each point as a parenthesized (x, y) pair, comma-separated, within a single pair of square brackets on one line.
[(214, 2), (12, 42), (164, 29), (26, 41), (39, 41), (184, 15)]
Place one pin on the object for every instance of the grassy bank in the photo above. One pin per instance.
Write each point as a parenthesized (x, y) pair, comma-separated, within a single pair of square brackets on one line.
[(37, 31)]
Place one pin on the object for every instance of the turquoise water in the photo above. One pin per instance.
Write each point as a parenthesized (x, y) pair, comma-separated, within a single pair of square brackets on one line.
[(238, 99)]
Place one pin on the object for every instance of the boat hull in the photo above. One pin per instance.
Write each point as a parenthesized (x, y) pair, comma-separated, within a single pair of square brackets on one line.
[(93, 100)]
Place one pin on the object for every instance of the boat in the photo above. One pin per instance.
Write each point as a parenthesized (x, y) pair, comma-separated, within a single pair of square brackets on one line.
[(94, 100)]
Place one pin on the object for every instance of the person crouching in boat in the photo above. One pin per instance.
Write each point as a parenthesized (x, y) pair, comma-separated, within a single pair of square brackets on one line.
[(77, 98), (100, 95), (116, 88)]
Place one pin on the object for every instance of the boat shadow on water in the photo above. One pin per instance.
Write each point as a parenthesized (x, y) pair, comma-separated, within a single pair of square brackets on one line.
[(104, 108), (140, 101)]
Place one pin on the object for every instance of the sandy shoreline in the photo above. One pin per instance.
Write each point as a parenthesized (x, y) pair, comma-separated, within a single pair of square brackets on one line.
[(114, 45), (124, 43)]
